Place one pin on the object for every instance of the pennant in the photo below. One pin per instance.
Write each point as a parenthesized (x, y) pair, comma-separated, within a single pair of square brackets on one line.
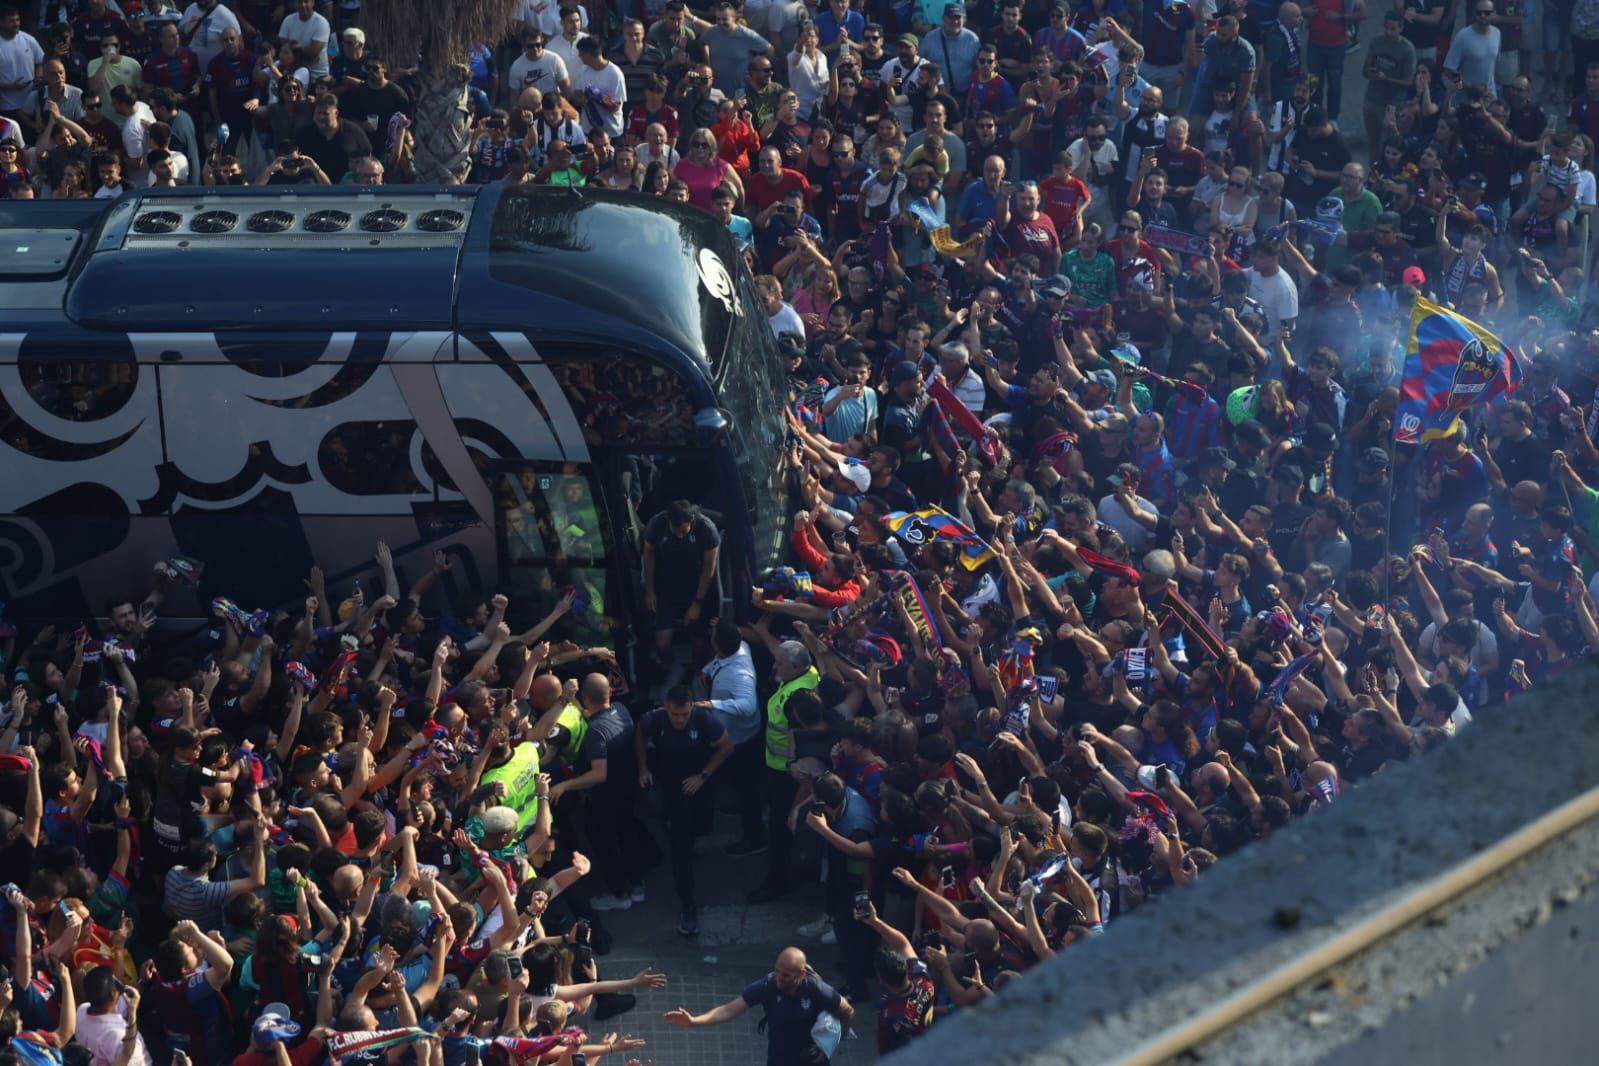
[(1451, 363), (918, 528)]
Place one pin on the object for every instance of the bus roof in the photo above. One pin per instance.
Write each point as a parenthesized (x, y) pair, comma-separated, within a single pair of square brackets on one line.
[(583, 266)]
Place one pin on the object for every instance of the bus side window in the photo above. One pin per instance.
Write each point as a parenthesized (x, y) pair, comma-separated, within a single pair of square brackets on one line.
[(79, 391), (370, 459)]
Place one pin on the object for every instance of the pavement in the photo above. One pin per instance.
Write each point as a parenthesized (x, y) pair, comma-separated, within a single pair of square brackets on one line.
[(737, 944)]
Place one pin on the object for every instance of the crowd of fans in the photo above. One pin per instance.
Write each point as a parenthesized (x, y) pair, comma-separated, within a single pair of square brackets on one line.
[(1105, 561)]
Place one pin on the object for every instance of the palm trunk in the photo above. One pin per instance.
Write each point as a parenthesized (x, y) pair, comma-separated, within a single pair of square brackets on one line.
[(442, 143)]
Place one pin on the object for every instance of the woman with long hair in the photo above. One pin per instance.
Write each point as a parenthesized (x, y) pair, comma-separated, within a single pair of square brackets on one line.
[(656, 178)]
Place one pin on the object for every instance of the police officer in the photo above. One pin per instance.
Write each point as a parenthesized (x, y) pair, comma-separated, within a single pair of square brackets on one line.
[(794, 997), (679, 748)]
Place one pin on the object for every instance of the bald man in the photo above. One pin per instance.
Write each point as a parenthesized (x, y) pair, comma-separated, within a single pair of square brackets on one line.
[(607, 780), (794, 997)]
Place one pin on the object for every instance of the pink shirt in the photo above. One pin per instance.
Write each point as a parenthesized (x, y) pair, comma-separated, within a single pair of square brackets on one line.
[(702, 181)]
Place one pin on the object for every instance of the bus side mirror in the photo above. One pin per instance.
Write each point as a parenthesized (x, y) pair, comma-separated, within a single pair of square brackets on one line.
[(710, 427)]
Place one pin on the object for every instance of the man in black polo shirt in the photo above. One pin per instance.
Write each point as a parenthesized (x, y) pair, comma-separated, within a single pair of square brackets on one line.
[(794, 997), (330, 140), (679, 748)]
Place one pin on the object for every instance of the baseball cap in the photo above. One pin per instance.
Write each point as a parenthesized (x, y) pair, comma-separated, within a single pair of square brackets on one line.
[(1055, 285), (855, 472), (1289, 475), (274, 1026), (1414, 276), (908, 38), (955, 9), (1218, 456), (1375, 459), (927, 270), (902, 373), (1320, 438), (1101, 377), (1125, 472), (1473, 180)]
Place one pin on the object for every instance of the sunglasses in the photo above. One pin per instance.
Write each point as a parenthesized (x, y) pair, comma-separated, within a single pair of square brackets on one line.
[(840, 155), (873, 37)]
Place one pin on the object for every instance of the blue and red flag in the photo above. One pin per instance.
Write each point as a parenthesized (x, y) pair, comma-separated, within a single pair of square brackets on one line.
[(1451, 363), (917, 528)]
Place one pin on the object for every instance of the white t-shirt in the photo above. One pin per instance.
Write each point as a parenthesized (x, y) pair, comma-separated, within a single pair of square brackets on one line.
[(609, 81), (544, 73), (1276, 295), (207, 41), (135, 132), (546, 15), (786, 320), (102, 1035), (307, 32), (19, 58)]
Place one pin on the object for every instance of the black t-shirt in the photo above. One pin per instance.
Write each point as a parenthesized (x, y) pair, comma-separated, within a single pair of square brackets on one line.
[(364, 100), (1523, 460), (610, 737), (676, 754), (333, 154), (1323, 153), (678, 559)]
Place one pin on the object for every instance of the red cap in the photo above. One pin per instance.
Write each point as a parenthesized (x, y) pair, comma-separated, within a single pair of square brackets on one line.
[(1413, 276)]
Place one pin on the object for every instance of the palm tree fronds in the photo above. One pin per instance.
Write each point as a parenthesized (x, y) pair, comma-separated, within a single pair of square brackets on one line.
[(435, 33)]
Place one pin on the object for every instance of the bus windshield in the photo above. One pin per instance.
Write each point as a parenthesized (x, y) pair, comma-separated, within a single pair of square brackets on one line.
[(750, 390)]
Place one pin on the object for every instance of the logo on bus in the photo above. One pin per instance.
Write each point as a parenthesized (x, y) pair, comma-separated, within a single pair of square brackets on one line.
[(716, 279)]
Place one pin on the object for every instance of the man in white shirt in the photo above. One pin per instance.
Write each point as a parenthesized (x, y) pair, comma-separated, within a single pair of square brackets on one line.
[(1271, 287), (536, 68), (599, 91), (546, 15), (310, 31), (136, 121), (107, 1020), (955, 362), (20, 56), (564, 44), (203, 24)]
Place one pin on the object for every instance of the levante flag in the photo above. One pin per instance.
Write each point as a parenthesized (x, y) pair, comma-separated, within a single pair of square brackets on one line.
[(917, 528), (1451, 363)]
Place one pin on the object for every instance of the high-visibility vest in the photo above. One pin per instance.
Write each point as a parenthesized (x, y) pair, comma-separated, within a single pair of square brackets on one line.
[(779, 746), (521, 776)]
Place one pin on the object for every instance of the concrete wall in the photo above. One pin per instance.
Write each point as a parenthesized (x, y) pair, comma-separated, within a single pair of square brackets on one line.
[(1272, 902)]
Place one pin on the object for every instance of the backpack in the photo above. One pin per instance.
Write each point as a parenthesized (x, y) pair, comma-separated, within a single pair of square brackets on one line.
[(1585, 20)]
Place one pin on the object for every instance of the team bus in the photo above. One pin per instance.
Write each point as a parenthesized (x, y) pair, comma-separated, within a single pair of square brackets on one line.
[(263, 379)]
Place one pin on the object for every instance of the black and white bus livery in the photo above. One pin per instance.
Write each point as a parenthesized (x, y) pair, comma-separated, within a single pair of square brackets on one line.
[(263, 379)]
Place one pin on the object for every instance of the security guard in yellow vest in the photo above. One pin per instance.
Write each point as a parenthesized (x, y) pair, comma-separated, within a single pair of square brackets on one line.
[(795, 673)]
